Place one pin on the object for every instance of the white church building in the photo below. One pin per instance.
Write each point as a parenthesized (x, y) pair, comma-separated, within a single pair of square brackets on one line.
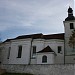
[(39, 48)]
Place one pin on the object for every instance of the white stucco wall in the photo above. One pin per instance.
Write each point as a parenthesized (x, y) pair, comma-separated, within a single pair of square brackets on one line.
[(68, 31), (54, 44), (50, 58), (39, 43), (26, 44), (1, 53), (59, 58), (4, 53), (33, 61), (70, 59), (26, 47)]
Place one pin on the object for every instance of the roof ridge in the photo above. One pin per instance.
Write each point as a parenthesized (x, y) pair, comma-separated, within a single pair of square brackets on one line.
[(39, 35), (56, 34)]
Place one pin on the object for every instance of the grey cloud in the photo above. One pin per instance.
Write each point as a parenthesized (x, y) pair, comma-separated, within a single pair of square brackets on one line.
[(41, 14)]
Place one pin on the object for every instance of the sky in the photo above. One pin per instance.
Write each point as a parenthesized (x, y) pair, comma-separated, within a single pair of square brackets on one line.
[(23, 17)]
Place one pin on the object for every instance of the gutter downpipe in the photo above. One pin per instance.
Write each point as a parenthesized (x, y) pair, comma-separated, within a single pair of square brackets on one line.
[(64, 43), (64, 51)]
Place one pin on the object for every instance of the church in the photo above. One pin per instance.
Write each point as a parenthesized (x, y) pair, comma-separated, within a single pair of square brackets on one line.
[(39, 48)]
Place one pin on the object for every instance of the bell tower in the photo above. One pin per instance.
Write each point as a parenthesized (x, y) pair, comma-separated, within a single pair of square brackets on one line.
[(69, 26)]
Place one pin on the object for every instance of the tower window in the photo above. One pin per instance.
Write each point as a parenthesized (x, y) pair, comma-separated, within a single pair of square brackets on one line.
[(71, 26), (59, 49), (19, 51), (44, 59)]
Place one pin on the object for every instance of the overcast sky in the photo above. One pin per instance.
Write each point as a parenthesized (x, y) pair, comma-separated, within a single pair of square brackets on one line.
[(21, 17)]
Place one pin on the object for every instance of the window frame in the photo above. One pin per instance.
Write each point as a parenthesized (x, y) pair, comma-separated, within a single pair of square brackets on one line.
[(19, 51), (8, 52), (59, 49), (34, 50), (71, 25), (44, 59)]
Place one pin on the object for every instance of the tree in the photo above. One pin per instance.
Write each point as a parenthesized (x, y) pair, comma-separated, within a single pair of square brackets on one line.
[(0, 42), (0, 38), (72, 40)]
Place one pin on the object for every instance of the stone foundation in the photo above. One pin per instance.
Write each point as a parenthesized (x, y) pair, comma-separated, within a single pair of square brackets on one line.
[(67, 69)]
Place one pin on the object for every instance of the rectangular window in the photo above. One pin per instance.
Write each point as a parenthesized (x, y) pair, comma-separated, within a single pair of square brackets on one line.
[(59, 49), (19, 51), (34, 52), (34, 49), (71, 26), (8, 52)]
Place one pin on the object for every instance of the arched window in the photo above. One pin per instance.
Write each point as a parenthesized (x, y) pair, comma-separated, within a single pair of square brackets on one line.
[(44, 59)]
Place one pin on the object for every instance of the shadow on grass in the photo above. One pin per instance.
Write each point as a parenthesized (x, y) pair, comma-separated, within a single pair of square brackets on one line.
[(17, 74)]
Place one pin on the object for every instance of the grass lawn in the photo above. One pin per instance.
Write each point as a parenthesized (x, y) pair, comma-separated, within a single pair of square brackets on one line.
[(17, 74)]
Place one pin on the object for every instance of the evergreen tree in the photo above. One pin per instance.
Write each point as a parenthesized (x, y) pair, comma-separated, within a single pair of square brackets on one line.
[(72, 40)]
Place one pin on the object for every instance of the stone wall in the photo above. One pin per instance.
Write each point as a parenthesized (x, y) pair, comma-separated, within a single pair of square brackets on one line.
[(67, 69)]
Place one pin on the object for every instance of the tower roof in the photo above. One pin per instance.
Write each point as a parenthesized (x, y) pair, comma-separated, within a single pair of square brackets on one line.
[(70, 10), (70, 15)]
